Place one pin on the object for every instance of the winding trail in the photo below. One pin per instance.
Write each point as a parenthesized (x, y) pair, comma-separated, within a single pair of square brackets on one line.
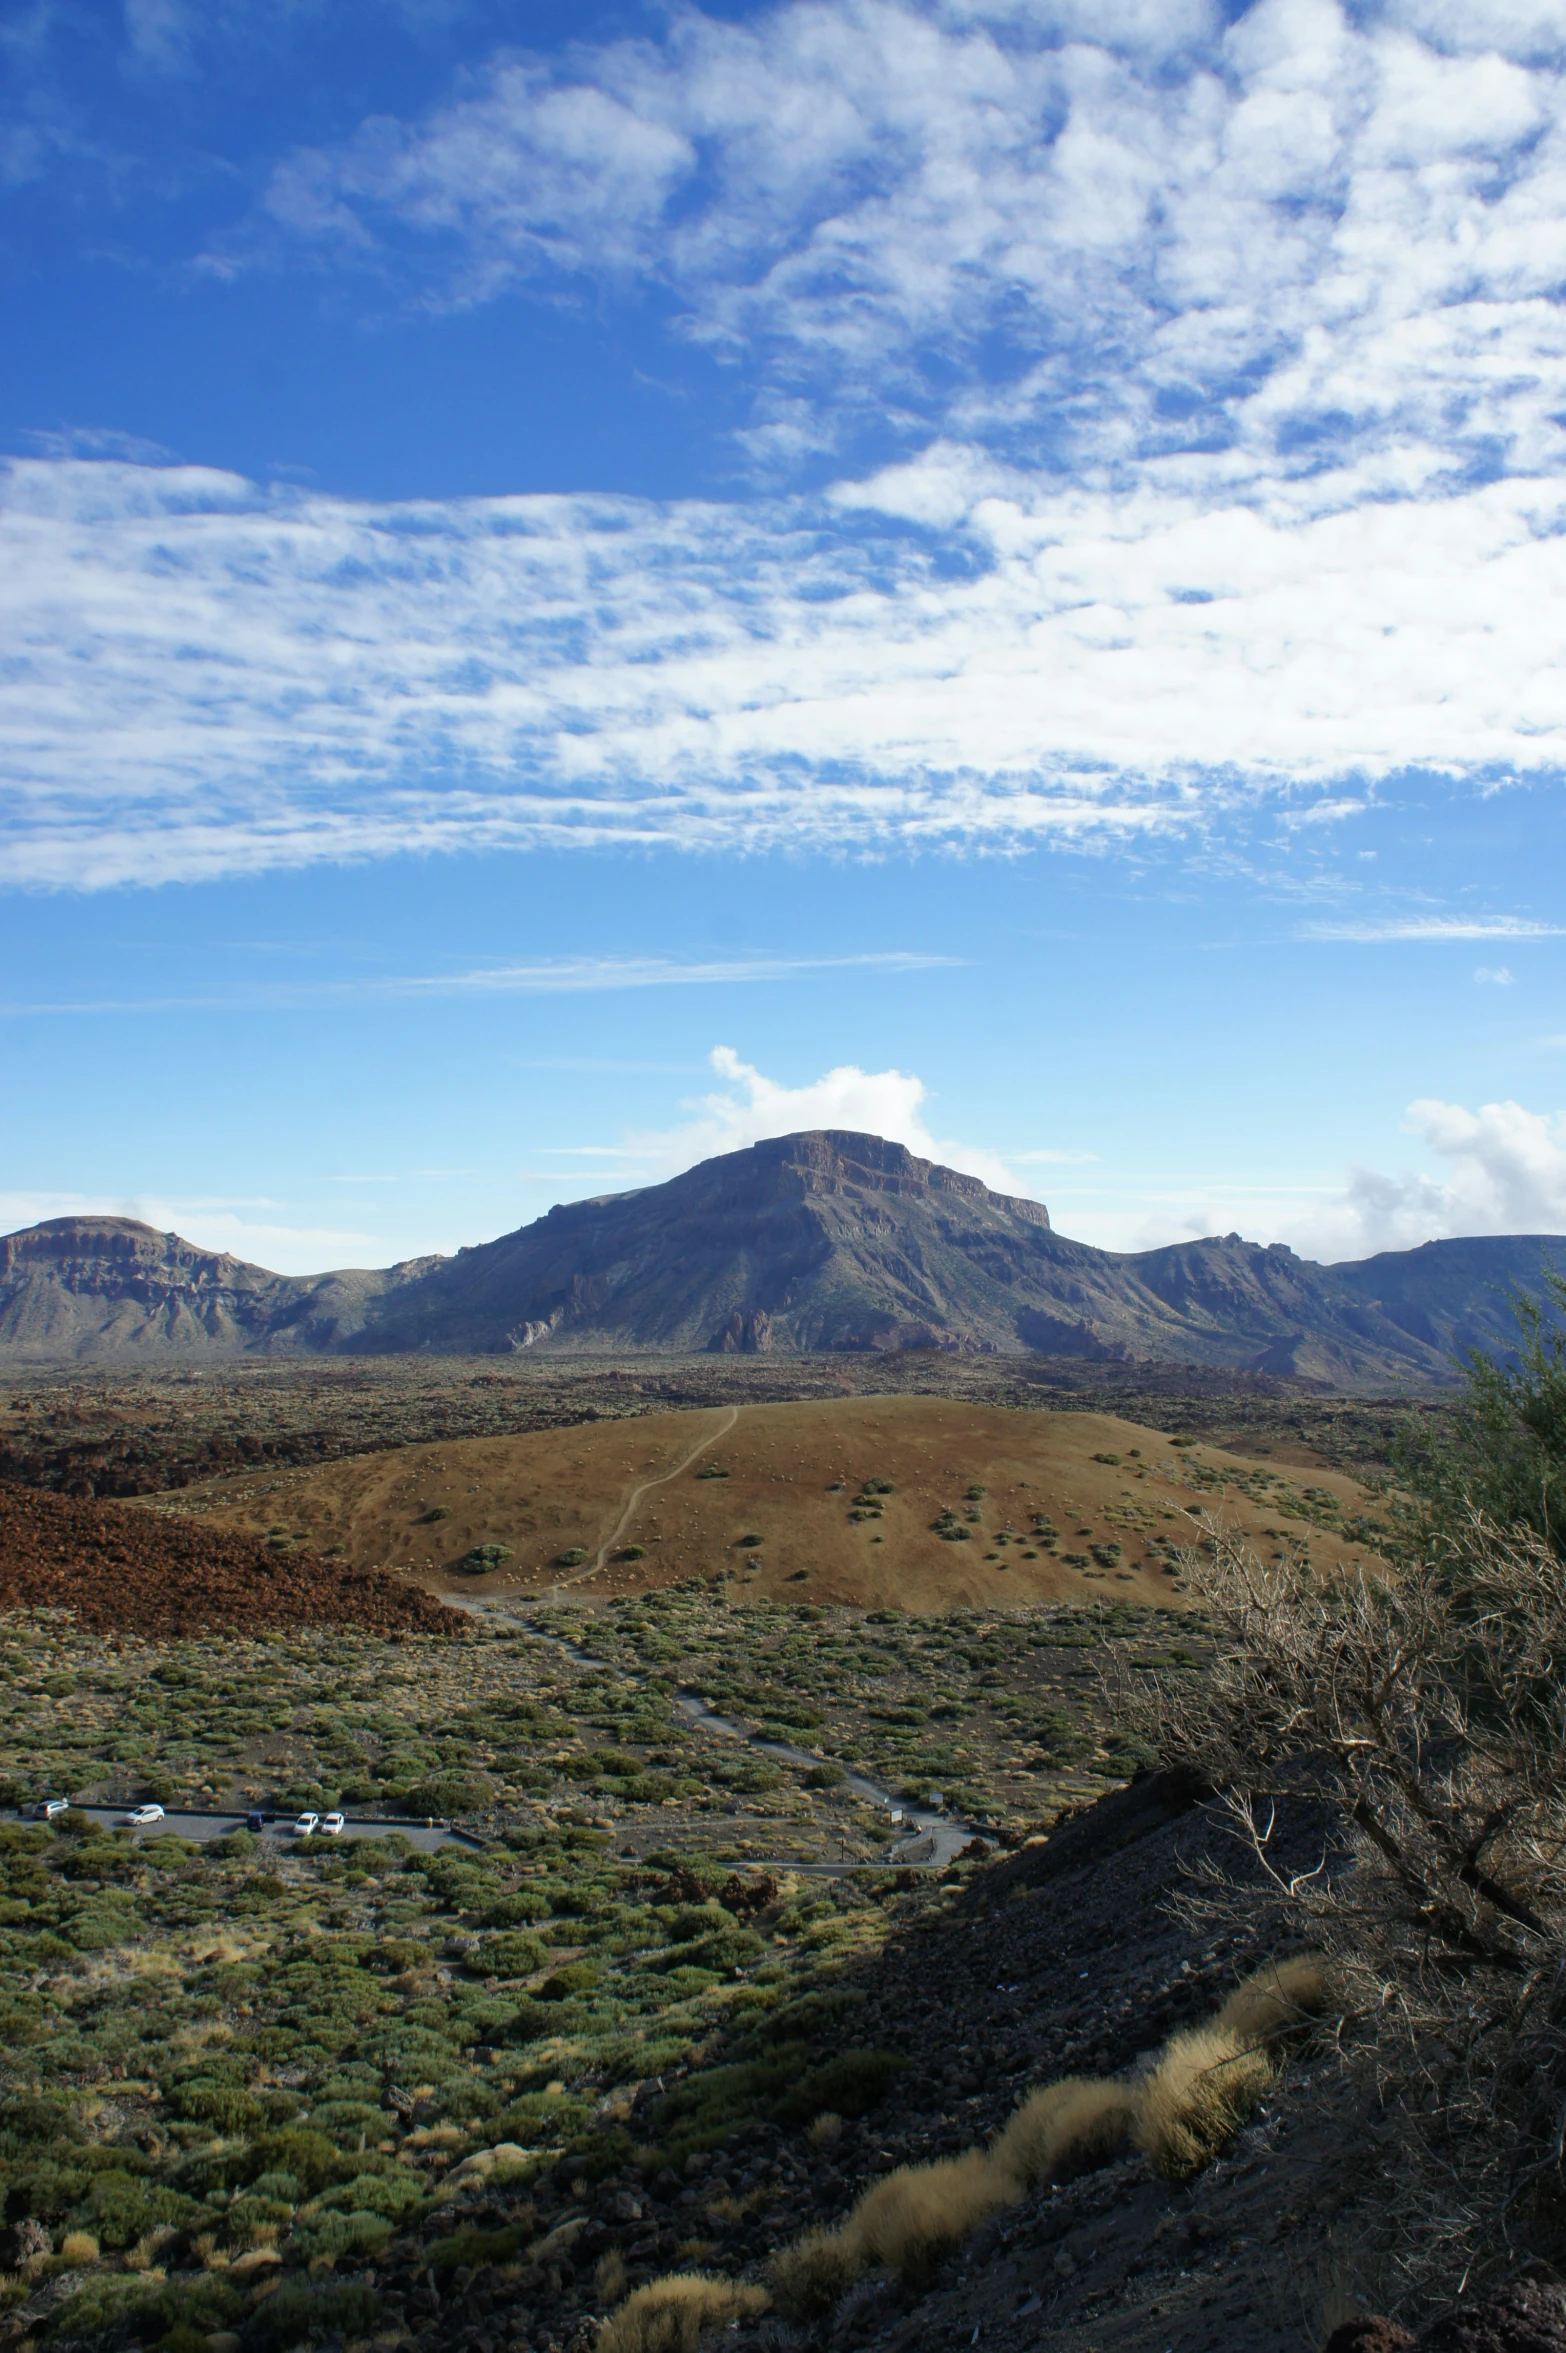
[(731, 1416), (933, 1836)]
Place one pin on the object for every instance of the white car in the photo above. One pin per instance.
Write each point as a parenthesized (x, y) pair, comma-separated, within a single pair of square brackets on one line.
[(143, 1817), (53, 1807), (307, 1825), (332, 1825)]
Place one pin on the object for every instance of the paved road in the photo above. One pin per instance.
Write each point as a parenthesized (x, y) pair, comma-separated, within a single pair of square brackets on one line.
[(200, 1827)]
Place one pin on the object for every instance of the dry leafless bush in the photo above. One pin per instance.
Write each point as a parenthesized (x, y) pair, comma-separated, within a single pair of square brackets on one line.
[(1427, 1707)]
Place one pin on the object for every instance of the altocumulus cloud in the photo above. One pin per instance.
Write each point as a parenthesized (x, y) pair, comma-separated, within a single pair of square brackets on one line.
[(207, 679), (1238, 479)]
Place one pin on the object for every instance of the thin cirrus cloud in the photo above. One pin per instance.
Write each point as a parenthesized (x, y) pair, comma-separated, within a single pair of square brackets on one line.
[(547, 976), (1238, 481), (1433, 929)]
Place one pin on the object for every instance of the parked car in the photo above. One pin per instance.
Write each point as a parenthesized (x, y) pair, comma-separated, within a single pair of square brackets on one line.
[(52, 1808), (307, 1825), (332, 1825), (255, 1819), (142, 1817)]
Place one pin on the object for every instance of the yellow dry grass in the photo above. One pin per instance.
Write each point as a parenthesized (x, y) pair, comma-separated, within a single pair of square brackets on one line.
[(1204, 2087), (808, 2278), (1063, 2129), (1206, 2082), (671, 2315), (910, 2221), (1277, 2001), (793, 1471)]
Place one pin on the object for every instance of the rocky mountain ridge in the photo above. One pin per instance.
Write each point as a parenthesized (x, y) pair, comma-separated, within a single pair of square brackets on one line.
[(825, 1241)]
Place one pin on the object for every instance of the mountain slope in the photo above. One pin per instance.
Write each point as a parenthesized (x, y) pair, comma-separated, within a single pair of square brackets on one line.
[(822, 1241), (109, 1286)]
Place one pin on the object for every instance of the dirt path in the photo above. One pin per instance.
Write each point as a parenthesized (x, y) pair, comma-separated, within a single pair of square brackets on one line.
[(730, 1417)]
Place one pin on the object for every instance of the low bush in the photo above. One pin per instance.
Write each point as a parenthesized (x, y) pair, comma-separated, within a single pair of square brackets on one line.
[(850, 2084), (1064, 2129), (512, 1953), (813, 2274), (300, 2313), (672, 2315), (1203, 2089)]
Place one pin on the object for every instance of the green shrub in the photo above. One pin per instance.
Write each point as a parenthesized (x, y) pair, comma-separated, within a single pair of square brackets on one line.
[(313, 2161), (450, 1794), (227, 2107), (577, 1977), (511, 1953), (517, 1910), (571, 1558), (120, 2206), (304, 2313), (812, 2013), (484, 1557), (848, 2085), (729, 1948)]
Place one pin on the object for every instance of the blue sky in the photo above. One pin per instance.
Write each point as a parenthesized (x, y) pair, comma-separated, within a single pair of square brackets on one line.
[(583, 585)]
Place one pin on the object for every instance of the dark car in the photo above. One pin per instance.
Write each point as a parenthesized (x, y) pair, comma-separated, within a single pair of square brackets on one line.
[(255, 1821)]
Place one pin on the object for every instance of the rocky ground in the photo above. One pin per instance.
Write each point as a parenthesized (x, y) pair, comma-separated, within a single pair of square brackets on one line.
[(121, 1571), (1062, 1959), (138, 1432)]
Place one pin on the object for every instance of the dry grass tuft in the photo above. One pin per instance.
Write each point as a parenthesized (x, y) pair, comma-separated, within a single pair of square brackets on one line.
[(1277, 2001), (79, 2246), (1064, 2129), (609, 2277), (913, 2218), (1203, 2088), (671, 2315), (1197, 2097), (809, 2277)]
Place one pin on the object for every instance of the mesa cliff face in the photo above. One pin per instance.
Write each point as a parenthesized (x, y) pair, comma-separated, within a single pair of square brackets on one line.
[(109, 1286), (822, 1241)]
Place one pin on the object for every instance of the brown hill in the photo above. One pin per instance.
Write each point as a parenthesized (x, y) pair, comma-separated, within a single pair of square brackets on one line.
[(867, 1502)]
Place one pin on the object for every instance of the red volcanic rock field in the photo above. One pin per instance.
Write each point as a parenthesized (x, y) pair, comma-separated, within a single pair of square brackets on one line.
[(122, 1571)]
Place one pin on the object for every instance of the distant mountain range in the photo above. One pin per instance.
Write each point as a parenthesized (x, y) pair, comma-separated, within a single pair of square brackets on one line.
[(821, 1241)]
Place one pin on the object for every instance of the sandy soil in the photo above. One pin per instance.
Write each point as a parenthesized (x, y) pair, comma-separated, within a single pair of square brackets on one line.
[(793, 1474)]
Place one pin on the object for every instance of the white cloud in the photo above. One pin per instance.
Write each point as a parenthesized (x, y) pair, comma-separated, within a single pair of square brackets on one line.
[(750, 1107), (1498, 975), (1505, 1174), (205, 678), (1255, 248), (1239, 474), (1437, 928), (548, 976), (1498, 1170)]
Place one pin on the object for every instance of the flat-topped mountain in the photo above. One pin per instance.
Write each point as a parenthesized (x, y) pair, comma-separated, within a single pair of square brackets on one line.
[(821, 1241)]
